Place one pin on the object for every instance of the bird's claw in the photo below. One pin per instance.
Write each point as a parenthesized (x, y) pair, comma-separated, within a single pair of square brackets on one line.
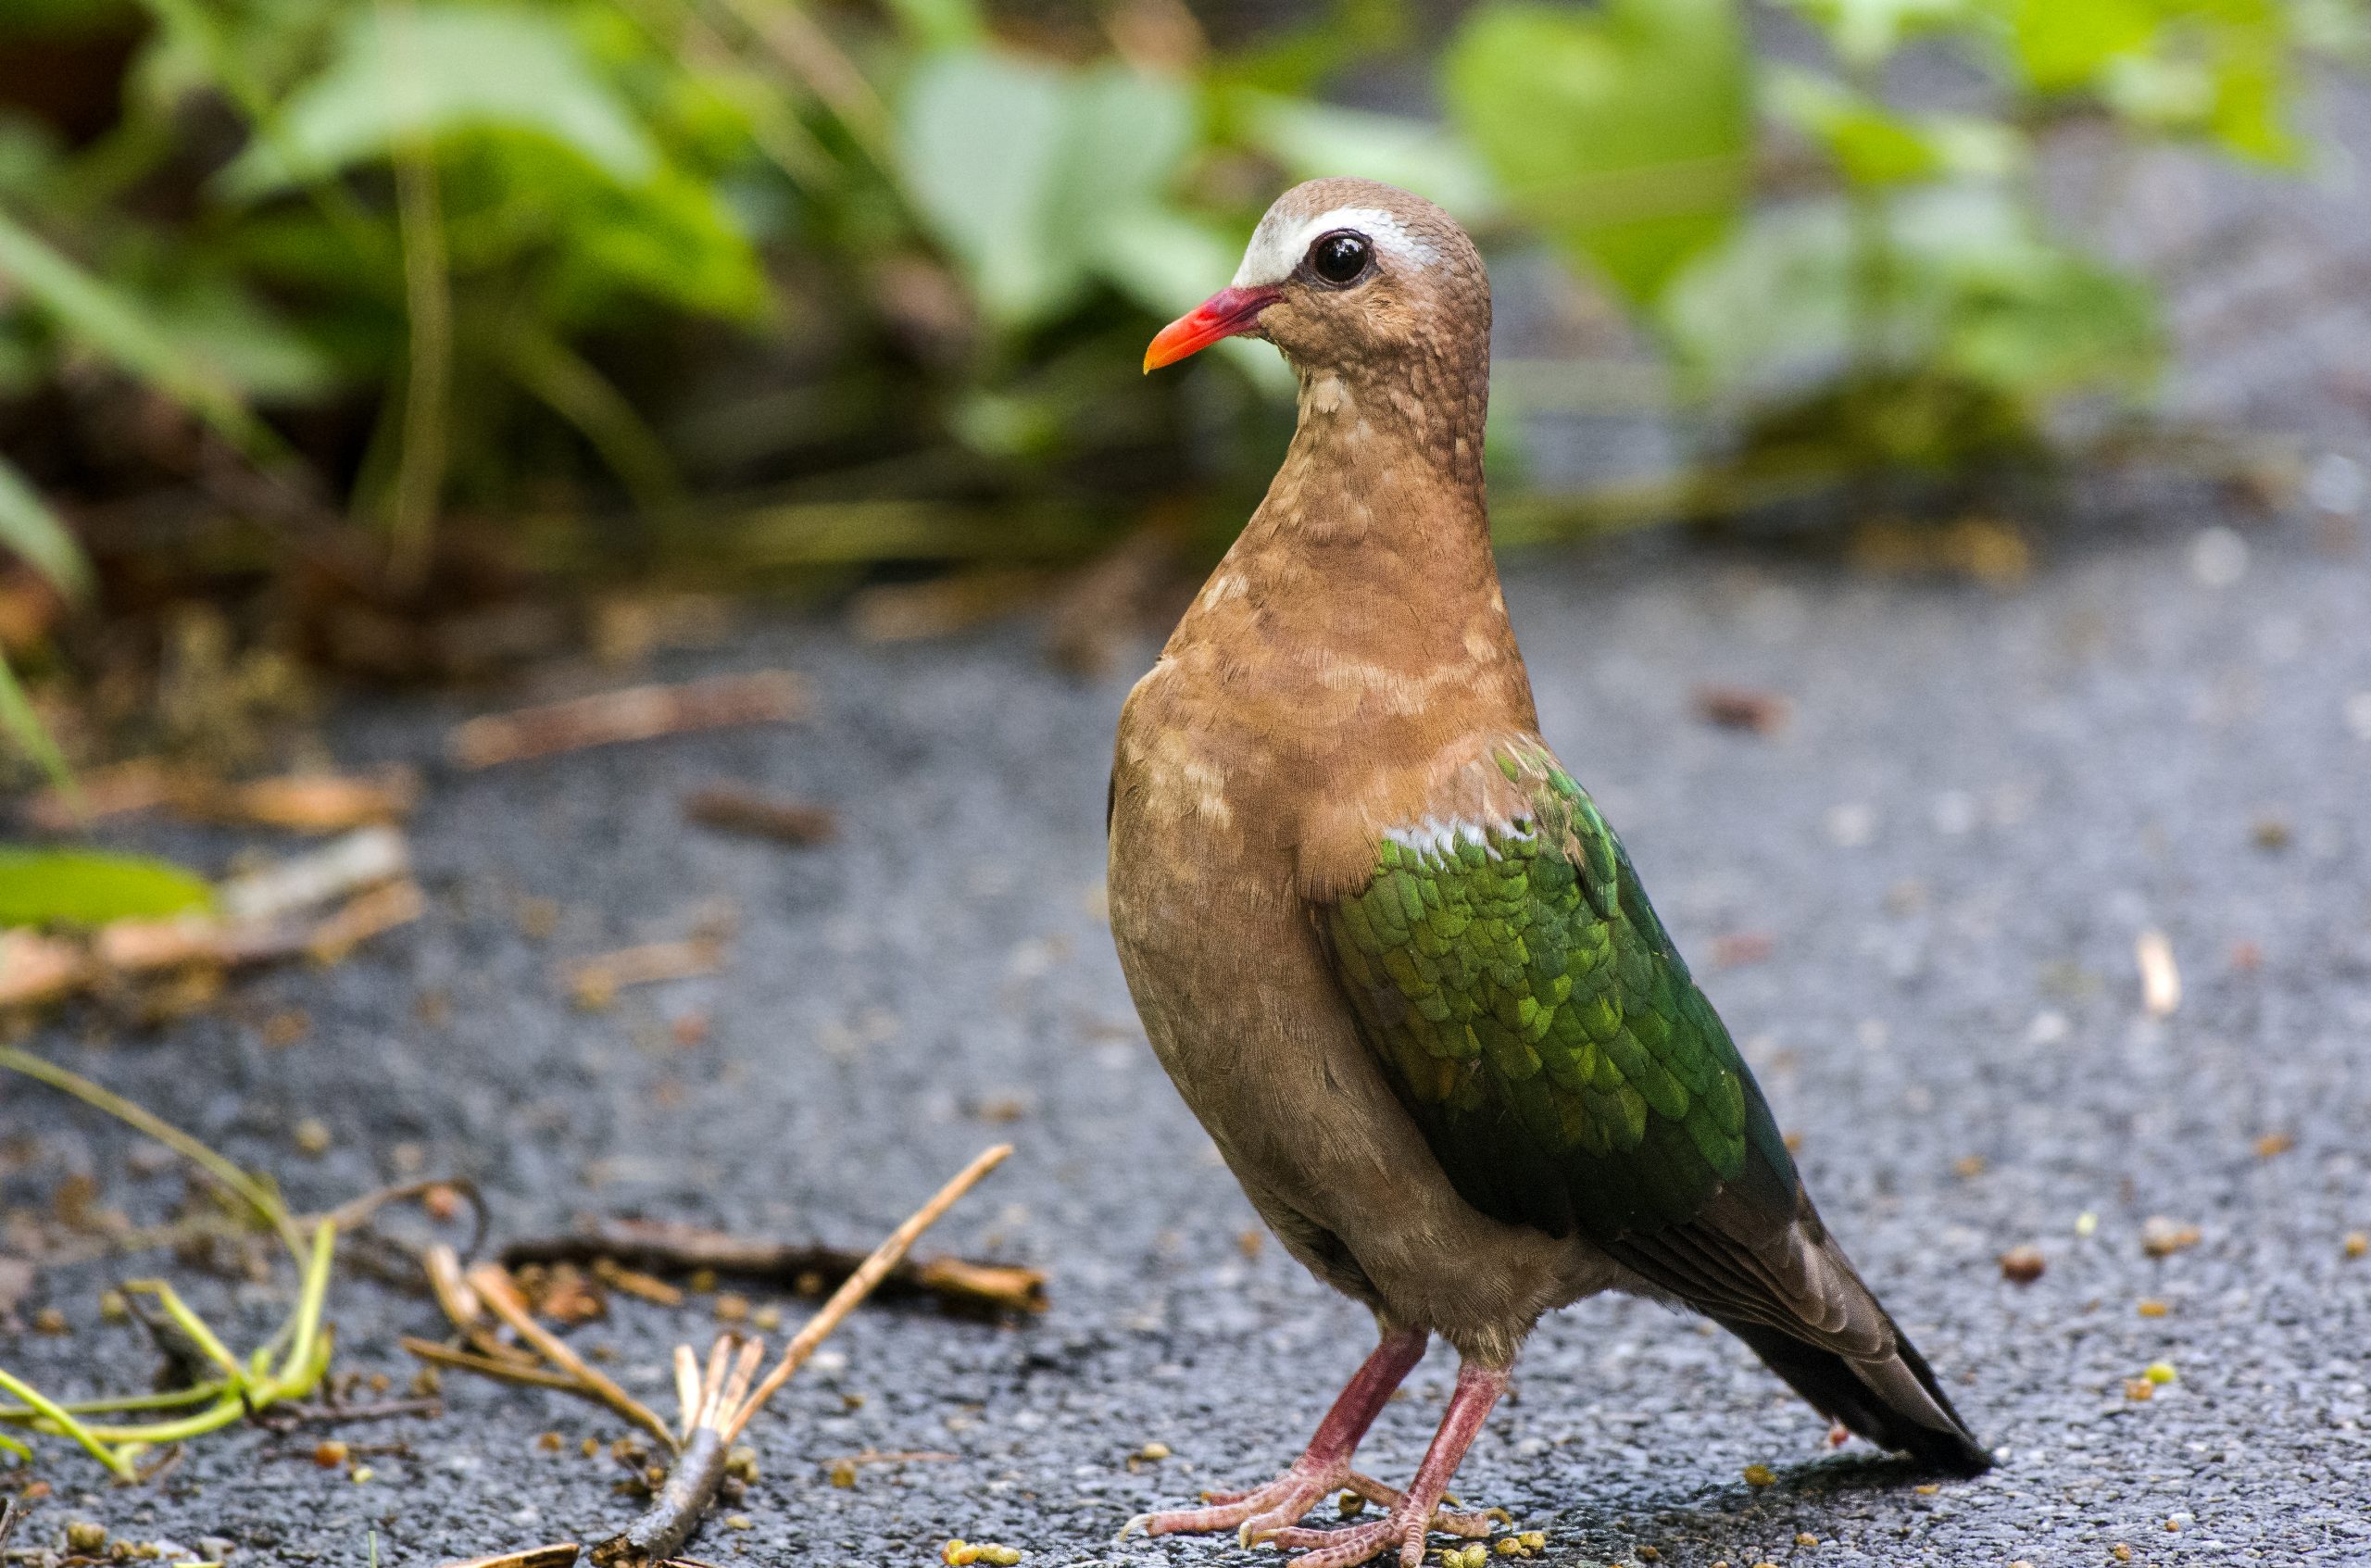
[(1253, 1515), (1403, 1527)]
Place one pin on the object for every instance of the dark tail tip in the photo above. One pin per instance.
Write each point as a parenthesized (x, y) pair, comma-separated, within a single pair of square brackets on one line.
[(1836, 1390)]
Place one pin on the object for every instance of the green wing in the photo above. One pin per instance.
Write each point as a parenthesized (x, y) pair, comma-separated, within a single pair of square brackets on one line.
[(1538, 1025)]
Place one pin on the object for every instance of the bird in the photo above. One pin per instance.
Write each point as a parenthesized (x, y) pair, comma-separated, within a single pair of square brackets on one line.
[(1389, 949)]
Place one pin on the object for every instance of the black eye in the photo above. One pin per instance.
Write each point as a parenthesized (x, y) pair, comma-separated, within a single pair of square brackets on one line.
[(1340, 258)]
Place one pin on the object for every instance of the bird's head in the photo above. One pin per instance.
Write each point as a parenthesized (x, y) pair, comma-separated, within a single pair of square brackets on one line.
[(1352, 277)]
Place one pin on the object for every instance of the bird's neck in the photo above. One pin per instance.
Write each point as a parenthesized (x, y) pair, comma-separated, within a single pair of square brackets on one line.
[(1378, 520), (1368, 566)]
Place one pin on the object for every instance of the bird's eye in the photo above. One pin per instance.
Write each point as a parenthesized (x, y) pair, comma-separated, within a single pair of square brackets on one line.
[(1340, 258)]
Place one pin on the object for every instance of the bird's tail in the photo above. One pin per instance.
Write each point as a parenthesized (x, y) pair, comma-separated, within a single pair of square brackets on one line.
[(1894, 1403)]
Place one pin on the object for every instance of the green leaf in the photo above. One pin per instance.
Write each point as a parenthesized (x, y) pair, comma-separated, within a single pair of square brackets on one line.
[(222, 325), (1874, 146), (1969, 286), (115, 325), (2061, 48), (2217, 68), (1623, 133), (32, 531), (84, 887), (1312, 140), (425, 74), (937, 24), (1037, 178), (980, 140), (1865, 31)]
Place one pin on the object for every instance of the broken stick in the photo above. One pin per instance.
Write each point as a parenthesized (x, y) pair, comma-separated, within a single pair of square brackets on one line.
[(666, 1247), (637, 713), (732, 808), (719, 1403)]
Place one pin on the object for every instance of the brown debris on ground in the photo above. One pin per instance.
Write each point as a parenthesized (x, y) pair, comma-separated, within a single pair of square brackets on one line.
[(1743, 707), (657, 1247), (2161, 1237), (594, 982), (301, 802), (716, 1401), (735, 808), (281, 912), (558, 1554), (763, 697)]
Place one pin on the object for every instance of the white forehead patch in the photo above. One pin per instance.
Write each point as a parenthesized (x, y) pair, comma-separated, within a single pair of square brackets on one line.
[(1281, 240)]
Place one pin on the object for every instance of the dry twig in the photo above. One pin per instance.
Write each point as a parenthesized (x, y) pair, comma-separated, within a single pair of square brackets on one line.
[(718, 1402), (732, 808), (659, 1247), (635, 713), (594, 982), (493, 1285), (559, 1554)]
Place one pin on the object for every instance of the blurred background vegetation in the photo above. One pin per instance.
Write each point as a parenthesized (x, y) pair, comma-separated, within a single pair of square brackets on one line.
[(335, 334)]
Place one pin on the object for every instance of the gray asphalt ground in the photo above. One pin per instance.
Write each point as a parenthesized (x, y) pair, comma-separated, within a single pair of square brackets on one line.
[(1982, 799)]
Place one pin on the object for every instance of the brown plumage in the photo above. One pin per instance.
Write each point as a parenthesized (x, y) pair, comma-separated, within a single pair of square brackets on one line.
[(1348, 679)]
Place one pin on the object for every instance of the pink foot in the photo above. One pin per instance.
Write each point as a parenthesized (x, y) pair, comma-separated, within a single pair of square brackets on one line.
[(1263, 1510), (1417, 1512), (1268, 1512)]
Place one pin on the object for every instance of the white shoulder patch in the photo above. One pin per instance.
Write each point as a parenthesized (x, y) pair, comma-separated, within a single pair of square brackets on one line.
[(1281, 240), (1433, 839)]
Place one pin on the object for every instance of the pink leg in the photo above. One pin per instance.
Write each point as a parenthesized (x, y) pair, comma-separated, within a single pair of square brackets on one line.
[(1324, 1466), (1478, 1388)]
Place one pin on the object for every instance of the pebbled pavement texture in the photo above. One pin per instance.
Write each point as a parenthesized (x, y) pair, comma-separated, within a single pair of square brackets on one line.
[(1979, 803)]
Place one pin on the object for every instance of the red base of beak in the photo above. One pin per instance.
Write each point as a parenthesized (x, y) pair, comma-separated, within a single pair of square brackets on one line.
[(1228, 313)]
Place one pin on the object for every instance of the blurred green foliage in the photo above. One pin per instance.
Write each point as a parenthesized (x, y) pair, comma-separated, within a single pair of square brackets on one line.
[(488, 257), (40, 887)]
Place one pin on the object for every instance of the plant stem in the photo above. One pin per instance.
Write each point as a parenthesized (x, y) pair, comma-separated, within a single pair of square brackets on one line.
[(570, 385), (859, 1285), (65, 1423), (171, 1399), (428, 306), (261, 1198)]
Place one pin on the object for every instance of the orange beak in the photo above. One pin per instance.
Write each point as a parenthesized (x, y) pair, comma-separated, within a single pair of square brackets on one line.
[(1228, 313)]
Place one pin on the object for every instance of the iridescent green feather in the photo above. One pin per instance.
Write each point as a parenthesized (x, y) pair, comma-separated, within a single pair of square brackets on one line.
[(1542, 1029)]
